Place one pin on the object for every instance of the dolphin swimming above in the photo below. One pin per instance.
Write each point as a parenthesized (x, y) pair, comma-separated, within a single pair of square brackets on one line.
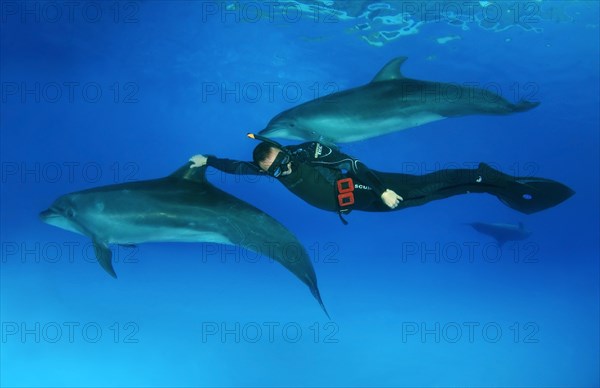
[(182, 207), (502, 232), (389, 103)]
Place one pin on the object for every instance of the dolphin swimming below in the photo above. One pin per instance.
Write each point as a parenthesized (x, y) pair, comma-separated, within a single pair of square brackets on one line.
[(389, 103), (182, 207), (502, 232)]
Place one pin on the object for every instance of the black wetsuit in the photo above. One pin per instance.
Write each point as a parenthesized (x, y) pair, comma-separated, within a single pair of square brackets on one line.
[(316, 169)]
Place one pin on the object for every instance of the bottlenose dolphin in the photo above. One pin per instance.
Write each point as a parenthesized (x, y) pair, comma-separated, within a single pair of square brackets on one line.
[(389, 103), (182, 207), (502, 232)]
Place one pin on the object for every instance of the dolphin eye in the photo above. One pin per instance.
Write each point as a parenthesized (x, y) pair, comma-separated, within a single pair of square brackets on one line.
[(70, 213)]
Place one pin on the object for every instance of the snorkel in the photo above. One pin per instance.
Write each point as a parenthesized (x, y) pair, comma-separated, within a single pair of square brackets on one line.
[(267, 140)]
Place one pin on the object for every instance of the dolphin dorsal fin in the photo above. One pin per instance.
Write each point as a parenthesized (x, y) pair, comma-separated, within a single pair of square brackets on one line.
[(391, 70), (196, 174)]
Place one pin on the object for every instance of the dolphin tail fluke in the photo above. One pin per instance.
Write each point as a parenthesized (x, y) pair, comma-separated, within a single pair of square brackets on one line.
[(525, 194), (524, 105), (317, 295)]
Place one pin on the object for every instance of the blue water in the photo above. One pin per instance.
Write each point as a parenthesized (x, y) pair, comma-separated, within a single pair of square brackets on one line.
[(100, 93)]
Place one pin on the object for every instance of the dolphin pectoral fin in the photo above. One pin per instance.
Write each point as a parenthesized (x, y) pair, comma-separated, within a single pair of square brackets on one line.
[(327, 141), (317, 295), (130, 246), (391, 70), (524, 105), (500, 242), (311, 282), (104, 257)]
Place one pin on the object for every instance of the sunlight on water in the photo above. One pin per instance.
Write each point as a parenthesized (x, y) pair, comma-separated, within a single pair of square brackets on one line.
[(379, 23)]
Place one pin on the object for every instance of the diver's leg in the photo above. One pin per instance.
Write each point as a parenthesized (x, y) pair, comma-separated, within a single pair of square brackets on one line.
[(527, 195), (416, 190)]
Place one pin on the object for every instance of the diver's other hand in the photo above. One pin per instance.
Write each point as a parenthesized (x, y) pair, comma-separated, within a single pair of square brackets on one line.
[(198, 161), (391, 199)]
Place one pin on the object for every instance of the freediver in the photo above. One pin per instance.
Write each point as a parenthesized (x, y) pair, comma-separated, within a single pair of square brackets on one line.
[(331, 180)]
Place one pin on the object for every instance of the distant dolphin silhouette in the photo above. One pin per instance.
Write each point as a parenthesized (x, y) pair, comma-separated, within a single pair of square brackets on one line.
[(182, 207), (389, 103), (502, 232)]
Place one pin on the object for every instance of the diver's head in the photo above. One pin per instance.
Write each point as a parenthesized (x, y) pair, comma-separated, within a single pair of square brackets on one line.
[(272, 159)]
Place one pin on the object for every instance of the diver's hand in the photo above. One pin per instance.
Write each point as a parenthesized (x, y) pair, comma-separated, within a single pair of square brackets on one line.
[(391, 199), (198, 161)]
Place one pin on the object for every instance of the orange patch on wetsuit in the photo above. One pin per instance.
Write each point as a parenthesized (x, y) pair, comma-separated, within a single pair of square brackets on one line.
[(345, 189)]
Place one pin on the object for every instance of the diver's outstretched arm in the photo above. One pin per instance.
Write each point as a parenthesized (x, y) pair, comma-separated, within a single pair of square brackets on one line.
[(228, 166)]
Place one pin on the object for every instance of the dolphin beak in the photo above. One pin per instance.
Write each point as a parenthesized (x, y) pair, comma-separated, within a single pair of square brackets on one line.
[(267, 131), (46, 214)]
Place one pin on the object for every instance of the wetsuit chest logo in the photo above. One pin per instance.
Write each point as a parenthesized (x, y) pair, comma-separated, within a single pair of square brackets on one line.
[(318, 150)]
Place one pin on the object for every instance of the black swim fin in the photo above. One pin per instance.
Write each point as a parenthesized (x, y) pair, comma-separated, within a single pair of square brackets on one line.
[(525, 194)]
